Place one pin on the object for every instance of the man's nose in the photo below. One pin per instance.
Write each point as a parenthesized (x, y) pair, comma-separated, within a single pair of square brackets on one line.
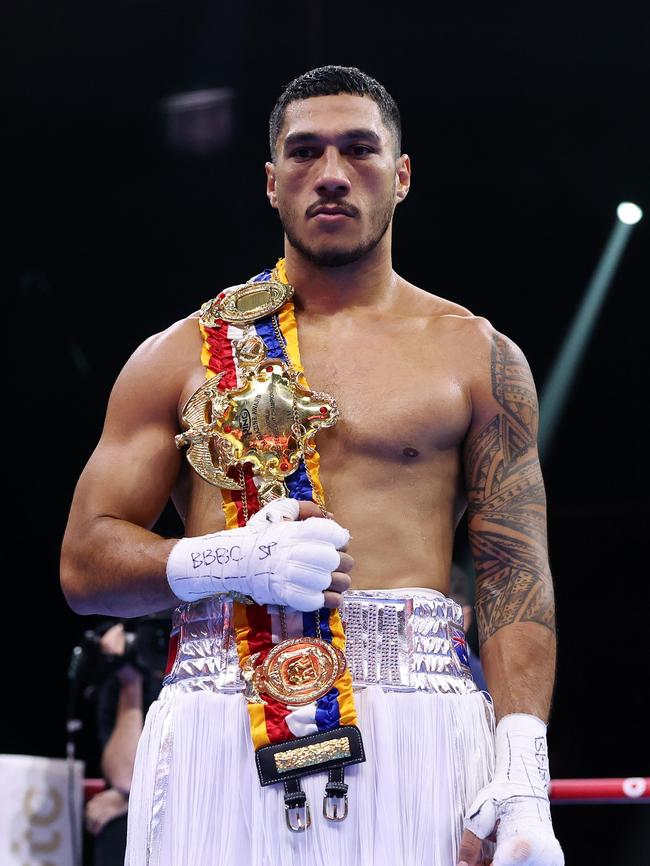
[(332, 178)]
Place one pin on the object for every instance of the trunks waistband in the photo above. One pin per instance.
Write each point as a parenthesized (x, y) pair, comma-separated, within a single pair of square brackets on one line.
[(407, 639)]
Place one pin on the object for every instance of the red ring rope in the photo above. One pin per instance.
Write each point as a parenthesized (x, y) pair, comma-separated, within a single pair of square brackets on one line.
[(562, 791), (630, 790)]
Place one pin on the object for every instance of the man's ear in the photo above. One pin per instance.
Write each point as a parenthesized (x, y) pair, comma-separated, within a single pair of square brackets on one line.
[(402, 177), (270, 184)]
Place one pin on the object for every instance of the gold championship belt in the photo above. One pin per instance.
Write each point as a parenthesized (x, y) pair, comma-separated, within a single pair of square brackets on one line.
[(269, 422), (266, 426)]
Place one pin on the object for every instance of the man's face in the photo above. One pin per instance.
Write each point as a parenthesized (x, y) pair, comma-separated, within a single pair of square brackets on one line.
[(335, 181)]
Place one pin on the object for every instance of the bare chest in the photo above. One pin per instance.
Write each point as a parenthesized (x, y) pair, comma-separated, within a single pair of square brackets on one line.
[(394, 392), (401, 405)]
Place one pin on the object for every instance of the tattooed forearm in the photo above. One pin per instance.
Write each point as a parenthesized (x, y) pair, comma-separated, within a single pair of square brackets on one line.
[(507, 504)]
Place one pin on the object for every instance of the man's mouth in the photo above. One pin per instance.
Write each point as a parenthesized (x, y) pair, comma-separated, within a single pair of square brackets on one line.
[(330, 218), (331, 212)]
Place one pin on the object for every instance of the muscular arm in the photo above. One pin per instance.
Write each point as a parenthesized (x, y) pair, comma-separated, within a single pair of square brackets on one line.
[(111, 561), (507, 530), (118, 758)]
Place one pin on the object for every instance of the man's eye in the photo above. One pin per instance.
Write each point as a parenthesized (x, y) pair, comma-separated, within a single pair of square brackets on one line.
[(302, 153), (360, 150)]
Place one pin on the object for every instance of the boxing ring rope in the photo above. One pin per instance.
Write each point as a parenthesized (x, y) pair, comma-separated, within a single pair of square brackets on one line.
[(599, 791), (563, 792)]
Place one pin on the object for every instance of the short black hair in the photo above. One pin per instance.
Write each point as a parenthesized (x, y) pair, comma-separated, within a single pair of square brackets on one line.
[(330, 81)]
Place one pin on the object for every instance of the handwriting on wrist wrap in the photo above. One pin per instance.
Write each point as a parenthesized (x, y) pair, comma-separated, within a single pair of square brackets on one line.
[(209, 555), (223, 555), (541, 757)]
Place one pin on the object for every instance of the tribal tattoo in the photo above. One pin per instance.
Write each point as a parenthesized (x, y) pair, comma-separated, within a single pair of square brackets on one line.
[(507, 503)]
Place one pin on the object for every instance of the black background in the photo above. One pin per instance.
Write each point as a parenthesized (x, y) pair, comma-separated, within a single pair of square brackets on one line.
[(526, 124)]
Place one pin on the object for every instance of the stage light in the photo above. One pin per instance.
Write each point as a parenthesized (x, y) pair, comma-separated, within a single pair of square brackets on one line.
[(629, 213), (562, 375), (200, 123)]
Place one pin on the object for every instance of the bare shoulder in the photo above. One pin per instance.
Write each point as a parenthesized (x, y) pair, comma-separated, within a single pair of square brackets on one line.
[(449, 317), (154, 376), (434, 306), (496, 375), (479, 351), (492, 348), (486, 355), (169, 350)]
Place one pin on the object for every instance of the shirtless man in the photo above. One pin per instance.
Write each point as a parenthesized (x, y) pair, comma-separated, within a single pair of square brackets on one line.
[(438, 412)]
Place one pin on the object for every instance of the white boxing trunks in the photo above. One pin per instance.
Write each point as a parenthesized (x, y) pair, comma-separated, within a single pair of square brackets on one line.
[(428, 735)]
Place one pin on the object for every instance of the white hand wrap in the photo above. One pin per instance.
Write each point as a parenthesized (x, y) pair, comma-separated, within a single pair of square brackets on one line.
[(275, 559), (518, 797)]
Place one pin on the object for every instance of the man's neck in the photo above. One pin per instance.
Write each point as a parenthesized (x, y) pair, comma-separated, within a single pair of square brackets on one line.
[(369, 282)]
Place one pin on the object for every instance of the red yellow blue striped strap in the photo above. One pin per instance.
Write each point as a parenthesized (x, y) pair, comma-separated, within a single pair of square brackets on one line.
[(258, 627)]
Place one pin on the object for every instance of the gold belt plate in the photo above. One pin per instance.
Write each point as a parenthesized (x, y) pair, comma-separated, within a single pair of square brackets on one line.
[(298, 671), (246, 303)]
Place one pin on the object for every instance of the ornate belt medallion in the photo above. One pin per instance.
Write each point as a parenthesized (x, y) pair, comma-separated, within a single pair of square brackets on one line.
[(295, 672), (247, 302), (269, 422)]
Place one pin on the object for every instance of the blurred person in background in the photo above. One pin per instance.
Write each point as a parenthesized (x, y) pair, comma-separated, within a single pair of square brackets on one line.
[(122, 702)]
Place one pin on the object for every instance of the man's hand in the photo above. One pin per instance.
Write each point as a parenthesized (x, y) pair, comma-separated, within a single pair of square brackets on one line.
[(103, 808), (340, 578), (287, 554), (515, 804), (113, 643), (521, 828), (470, 851)]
